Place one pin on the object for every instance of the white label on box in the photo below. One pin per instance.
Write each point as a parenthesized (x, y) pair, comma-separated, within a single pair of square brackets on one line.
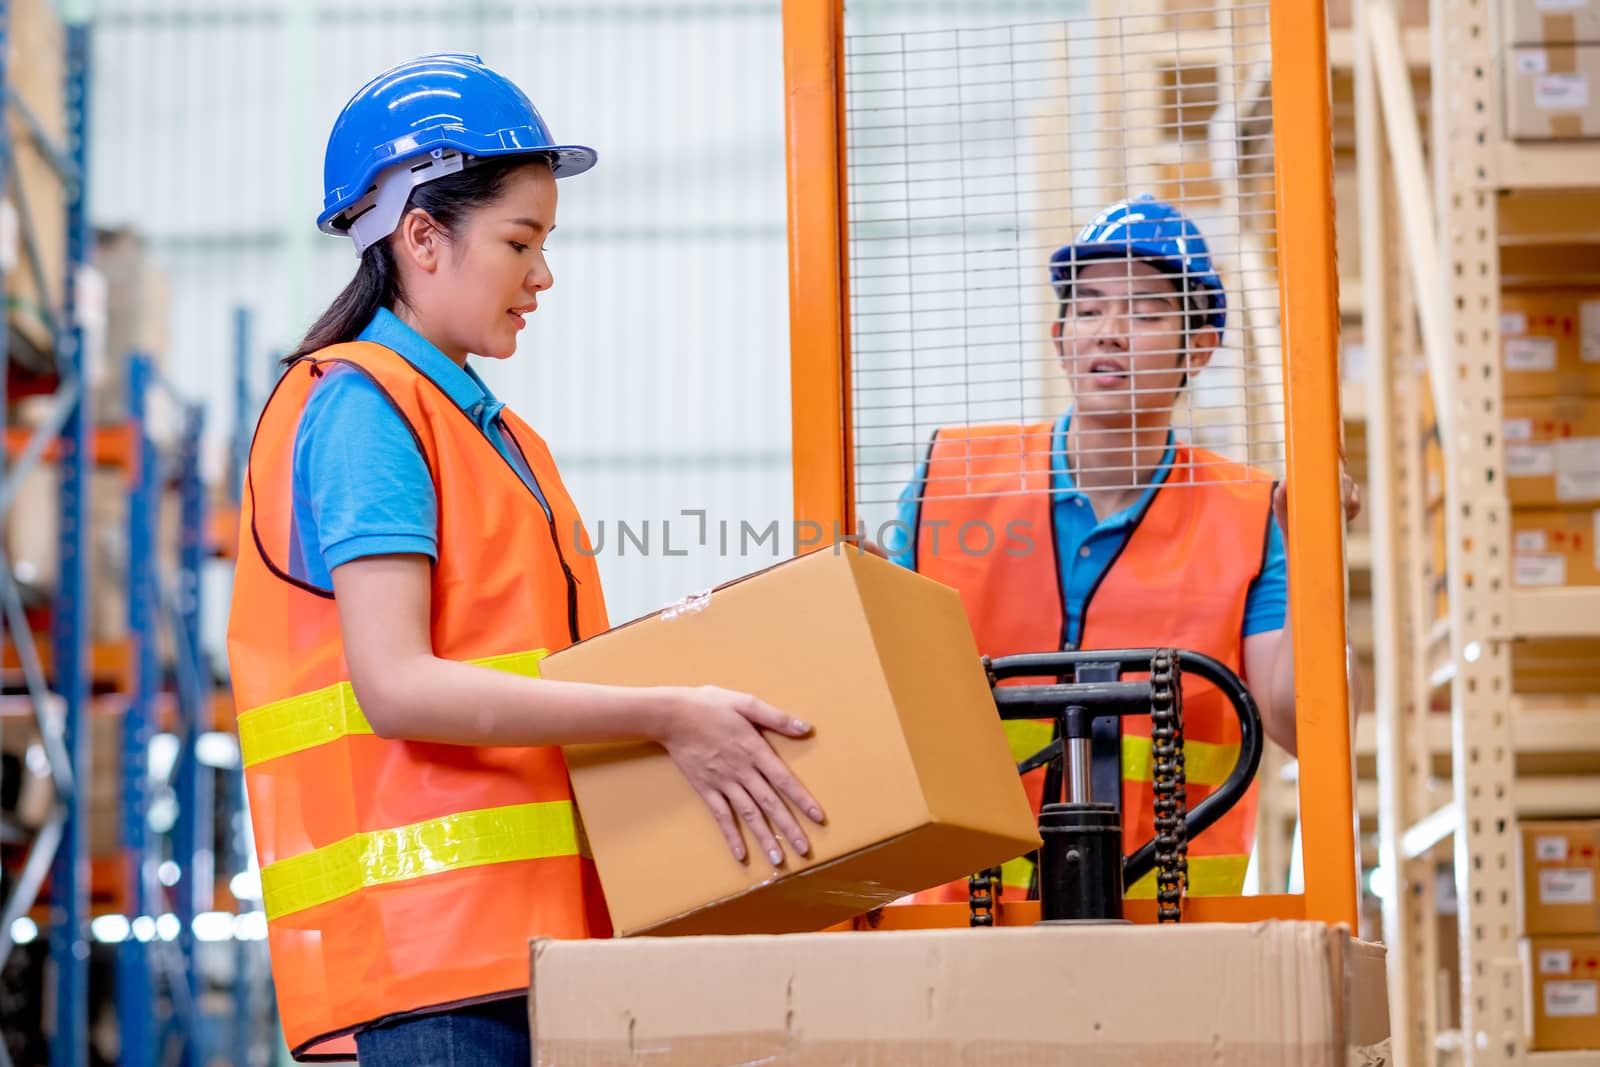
[(1578, 469), (1513, 322), (1533, 541), (1568, 885), (1568, 999), (1518, 430), (1550, 849), (1532, 61), (1530, 461), (1560, 5), (1530, 353), (1561, 92), (1555, 961), (1538, 570), (1589, 330)]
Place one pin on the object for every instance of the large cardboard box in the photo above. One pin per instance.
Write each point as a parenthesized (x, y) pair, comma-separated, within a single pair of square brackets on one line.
[(1555, 546), (1552, 451), (1561, 987), (908, 757), (1278, 993), (1551, 342), (1552, 21), (1553, 92), (1560, 865)]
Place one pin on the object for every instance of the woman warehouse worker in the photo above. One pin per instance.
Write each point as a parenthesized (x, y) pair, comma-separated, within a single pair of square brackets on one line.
[(406, 557), (1122, 535)]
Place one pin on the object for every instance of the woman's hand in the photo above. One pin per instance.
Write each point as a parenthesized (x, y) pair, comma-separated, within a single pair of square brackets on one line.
[(714, 736), (1349, 496)]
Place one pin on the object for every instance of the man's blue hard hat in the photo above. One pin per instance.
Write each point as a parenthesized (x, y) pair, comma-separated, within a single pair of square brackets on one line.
[(438, 113), (1153, 232)]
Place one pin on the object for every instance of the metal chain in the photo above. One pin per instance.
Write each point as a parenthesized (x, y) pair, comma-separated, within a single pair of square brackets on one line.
[(982, 889), (1170, 785)]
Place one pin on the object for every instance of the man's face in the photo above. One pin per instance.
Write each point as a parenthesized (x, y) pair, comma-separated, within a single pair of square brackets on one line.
[(1121, 340)]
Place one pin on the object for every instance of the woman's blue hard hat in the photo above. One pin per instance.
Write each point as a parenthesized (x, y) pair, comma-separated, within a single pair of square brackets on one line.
[(426, 118)]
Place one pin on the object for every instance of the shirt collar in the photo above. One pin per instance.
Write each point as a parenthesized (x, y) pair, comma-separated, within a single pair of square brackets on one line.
[(461, 384), (1062, 475)]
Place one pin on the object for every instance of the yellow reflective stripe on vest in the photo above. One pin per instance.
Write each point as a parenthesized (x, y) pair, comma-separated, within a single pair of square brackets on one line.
[(1027, 736), (1209, 876), (1204, 763), (297, 723), (1016, 875), (449, 843)]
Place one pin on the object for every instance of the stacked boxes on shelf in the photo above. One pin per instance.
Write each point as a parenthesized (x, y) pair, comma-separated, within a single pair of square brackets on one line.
[(1550, 382), (1561, 921), (1552, 69), (33, 212)]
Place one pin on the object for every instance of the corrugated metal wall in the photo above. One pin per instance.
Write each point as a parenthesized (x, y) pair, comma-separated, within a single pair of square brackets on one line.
[(657, 368)]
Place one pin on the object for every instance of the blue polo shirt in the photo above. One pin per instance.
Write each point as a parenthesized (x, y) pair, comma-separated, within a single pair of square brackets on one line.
[(361, 485), (1086, 545)]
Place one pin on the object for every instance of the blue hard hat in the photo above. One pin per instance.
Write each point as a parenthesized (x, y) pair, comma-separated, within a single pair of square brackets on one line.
[(447, 108), (1154, 232)]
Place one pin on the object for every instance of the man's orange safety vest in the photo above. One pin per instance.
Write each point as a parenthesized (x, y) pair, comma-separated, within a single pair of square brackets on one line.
[(1180, 581), (402, 876)]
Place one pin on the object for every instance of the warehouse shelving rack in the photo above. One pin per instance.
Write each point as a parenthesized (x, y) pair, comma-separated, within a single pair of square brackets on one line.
[(1437, 292), (59, 851)]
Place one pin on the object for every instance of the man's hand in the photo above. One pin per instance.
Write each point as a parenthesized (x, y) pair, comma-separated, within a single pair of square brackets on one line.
[(1349, 493)]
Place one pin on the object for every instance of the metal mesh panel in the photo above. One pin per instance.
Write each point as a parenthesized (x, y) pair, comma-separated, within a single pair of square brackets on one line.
[(974, 154)]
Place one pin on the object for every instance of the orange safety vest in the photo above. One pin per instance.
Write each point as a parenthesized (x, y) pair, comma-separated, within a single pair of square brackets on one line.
[(985, 527), (402, 876)]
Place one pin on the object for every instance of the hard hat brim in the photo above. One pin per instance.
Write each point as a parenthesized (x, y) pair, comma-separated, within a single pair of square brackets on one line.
[(1065, 261), (565, 161)]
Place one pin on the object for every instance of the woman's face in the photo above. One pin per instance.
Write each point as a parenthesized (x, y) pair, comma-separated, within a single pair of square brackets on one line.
[(492, 270)]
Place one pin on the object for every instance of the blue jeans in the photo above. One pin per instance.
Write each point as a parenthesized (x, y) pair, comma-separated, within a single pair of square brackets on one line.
[(492, 1033)]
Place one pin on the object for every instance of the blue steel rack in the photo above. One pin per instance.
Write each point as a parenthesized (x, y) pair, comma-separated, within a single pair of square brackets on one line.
[(61, 846)]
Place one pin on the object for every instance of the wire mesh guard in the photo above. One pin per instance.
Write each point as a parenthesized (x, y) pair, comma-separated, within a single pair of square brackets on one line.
[(974, 156)]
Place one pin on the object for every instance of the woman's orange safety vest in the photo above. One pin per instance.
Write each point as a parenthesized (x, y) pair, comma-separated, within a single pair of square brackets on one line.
[(1180, 581), (402, 876)]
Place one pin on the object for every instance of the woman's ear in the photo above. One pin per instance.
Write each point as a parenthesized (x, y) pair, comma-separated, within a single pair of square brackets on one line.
[(417, 240)]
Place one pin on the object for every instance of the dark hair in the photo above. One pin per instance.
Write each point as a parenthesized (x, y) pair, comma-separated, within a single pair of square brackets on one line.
[(377, 282)]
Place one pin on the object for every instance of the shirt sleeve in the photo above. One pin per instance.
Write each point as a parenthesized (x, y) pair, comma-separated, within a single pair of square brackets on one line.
[(1266, 606), (360, 475), (900, 536)]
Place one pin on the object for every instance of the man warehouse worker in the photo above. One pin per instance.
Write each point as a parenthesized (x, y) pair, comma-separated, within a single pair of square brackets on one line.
[(1108, 532)]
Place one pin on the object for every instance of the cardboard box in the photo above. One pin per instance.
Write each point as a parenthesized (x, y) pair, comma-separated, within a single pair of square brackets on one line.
[(36, 66), (1553, 93), (1561, 989), (1278, 993), (1552, 21), (1410, 12), (908, 757), (1560, 865), (1552, 451), (1551, 342), (1555, 547), (138, 308)]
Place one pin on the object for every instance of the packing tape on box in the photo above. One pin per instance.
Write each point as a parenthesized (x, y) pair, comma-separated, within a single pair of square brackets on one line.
[(692, 604), (1558, 27)]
